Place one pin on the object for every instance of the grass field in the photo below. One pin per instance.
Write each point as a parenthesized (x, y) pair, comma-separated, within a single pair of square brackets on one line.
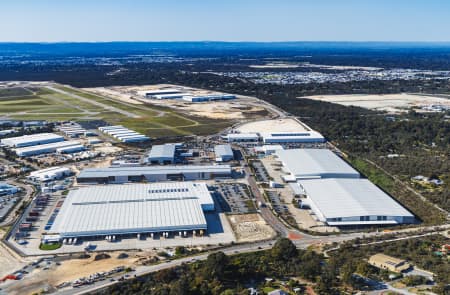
[(67, 103)]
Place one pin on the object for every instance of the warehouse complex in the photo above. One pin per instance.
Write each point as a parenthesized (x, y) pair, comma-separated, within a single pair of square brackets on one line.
[(30, 140), (335, 192), (152, 173), (186, 94), (97, 211), (123, 134), (314, 163), (60, 147), (162, 154), (343, 202)]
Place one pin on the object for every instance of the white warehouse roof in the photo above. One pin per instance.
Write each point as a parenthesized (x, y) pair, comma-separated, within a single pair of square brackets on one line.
[(351, 199), (44, 148), (315, 163), (223, 151), (49, 173), (122, 209), (162, 151), (33, 139)]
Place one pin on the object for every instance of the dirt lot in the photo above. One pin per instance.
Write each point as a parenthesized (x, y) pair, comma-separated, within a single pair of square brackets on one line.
[(394, 103), (250, 228), (71, 270), (8, 261)]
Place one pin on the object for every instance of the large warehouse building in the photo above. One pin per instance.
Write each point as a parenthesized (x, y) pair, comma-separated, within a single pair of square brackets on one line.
[(223, 152), (314, 163), (49, 174), (152, 173), (349, 202), (292, 137), (30, 140), (162, 154), (61, 146), (97, 211)]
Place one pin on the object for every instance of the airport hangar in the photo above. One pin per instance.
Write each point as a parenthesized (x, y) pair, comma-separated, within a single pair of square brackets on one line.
[(153, 173), (105, 210), (335, 192)]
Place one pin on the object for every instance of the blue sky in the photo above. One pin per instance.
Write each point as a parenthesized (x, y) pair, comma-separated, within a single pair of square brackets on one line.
[(226, 20)]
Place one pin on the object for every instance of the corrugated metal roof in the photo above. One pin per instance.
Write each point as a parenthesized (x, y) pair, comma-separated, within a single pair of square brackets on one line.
[(132, 208), (162, 151), (169, 169), (337, 197), (30, 139), (55, 145), (222, 150), (313, 163)]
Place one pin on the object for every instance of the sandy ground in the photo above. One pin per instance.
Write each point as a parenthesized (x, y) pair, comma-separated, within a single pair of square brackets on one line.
[(394, 103), (107, 149), (278, 125), (73, 269), (70, 270), (8, 261), (218, 109), (250, 228), (114, 94), (240, 108)]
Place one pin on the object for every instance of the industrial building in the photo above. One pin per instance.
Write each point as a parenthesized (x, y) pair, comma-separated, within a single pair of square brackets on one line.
[(152, 173), (223, 153), (292, 137), (314, 163), (268, 149), (351, 202), (162, 154), (49, 148), (211, 97), (7, 189), (73, 129), (123, 134), (242, 137), (70, 149), (185, 94), (151, 93), (390, 263), (49, 174), (101, 211), (30, 140)]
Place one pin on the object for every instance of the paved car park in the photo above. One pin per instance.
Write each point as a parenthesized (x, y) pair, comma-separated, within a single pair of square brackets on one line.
[(260, 172), (235, 198)]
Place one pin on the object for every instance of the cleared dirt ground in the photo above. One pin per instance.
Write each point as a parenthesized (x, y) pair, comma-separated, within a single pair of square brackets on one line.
[(394, 103), (250, 228)]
